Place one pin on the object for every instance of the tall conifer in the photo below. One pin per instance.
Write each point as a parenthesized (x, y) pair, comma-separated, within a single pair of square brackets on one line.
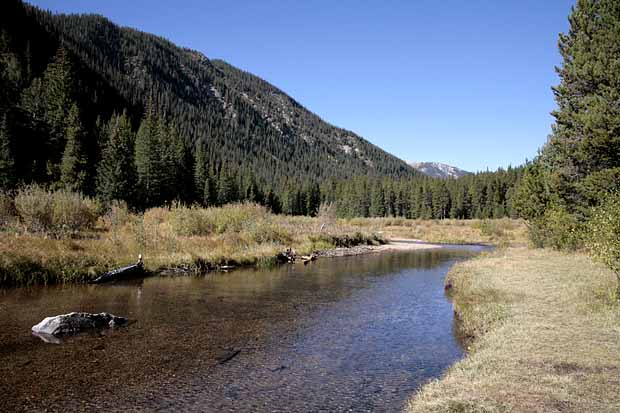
[(73, 168), (117, 172)]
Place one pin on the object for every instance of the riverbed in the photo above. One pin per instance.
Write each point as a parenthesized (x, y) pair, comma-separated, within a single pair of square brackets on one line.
[(358, 333)]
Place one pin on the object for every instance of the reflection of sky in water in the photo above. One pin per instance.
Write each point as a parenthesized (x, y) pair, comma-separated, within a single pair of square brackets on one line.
[(357, 333)]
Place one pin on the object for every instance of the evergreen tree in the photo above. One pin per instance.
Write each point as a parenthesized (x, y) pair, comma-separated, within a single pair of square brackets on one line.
[(116, 172), (377, 202), (200, 175), (313, 200), (272, 202), (73, 175), (57, 99), (586, 134), (184, 165), (441, 201), (7, 163), (167, 139), (227, 190), (148, 161)]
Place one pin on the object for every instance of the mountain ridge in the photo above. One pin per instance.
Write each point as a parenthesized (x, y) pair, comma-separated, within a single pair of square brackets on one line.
[(239, 118), (438, 169)]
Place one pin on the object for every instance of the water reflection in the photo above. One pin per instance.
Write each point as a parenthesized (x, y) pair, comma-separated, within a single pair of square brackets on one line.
[(357, 333)]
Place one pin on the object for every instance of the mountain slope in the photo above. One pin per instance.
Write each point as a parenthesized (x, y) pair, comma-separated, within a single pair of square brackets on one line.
[(241, 120), (438, 170)]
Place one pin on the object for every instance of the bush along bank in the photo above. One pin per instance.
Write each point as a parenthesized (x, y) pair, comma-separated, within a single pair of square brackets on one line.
[(50, 237)]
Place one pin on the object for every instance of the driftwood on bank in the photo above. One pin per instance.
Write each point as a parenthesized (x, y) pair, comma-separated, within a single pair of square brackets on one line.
[(290, 256), (124, 273), (308, 258), (287, 256)]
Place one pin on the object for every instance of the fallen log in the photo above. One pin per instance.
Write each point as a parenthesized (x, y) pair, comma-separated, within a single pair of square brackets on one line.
[(124, 273)]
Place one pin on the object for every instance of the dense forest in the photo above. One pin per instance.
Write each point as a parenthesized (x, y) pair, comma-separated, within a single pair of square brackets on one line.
[(578, 169), (242, 123), (123, 115)]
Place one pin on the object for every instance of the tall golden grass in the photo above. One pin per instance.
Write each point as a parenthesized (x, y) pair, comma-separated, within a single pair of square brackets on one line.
[(499, 232), (50, 237)]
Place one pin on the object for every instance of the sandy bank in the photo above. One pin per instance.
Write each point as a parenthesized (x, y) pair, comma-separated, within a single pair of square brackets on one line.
[(396, 244)]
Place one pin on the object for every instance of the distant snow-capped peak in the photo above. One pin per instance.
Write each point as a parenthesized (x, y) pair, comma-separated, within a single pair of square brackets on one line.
[(438, 170)]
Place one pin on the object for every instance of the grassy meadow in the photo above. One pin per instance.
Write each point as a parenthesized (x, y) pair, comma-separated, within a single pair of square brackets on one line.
[(543, 333), (497, 232)]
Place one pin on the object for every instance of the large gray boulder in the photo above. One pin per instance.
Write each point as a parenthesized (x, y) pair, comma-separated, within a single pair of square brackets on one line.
[(73, 323)]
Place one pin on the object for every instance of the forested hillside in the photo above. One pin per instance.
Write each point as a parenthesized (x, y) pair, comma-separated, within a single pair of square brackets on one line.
[(244, 125), (119, 114)]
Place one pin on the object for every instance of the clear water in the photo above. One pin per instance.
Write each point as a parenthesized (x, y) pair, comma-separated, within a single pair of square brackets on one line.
[(356, 333)]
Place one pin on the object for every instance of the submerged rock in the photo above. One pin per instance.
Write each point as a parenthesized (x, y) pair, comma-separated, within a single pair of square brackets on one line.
[(73, 323)]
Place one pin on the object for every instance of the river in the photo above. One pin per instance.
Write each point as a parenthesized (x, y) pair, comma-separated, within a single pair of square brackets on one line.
[(359, 333)]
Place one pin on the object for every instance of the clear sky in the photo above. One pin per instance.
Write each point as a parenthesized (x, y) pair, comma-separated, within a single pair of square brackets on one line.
[(467, 83)]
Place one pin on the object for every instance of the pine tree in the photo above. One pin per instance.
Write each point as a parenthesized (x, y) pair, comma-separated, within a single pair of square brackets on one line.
[(58, 86), (148, 161), (200, 174), (184, 167), (7, 163), (586, 134), (377, 201), (228, 190), (313, 200), (117, 172), (73, 175), (272, 202), (205, 187), (169, 186)]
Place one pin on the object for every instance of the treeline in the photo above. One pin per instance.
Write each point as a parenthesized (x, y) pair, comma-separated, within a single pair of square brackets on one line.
[(482, 195)]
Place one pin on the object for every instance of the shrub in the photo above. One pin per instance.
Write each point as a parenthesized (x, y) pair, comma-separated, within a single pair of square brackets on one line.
[(327, 213), (194, 221), (8, 213), (117, 215), (264, 231), (59, 212), (556, 229), (492, 228), (236, 217), (73, 212), (603, 234), (35, 208)]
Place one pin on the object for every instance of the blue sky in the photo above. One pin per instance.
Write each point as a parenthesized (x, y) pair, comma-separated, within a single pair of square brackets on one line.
[(462, 82)]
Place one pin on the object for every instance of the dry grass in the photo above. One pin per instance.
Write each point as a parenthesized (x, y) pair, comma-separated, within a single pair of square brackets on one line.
[(546, 336), (194, 238), (448, 231), (57, 236)]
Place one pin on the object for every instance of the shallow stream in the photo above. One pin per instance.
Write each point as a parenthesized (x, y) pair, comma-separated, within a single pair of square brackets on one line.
[(358, 333)]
